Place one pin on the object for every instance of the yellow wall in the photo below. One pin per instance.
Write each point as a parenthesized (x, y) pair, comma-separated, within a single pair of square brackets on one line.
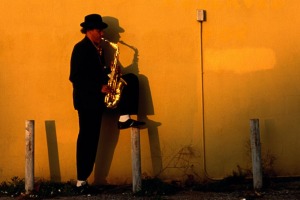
[(250, 71)]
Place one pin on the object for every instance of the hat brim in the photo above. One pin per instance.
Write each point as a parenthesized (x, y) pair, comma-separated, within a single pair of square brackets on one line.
[(94, 26)]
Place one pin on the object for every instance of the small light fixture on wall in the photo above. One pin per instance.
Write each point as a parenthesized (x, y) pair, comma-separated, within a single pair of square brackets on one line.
[(201, 15)]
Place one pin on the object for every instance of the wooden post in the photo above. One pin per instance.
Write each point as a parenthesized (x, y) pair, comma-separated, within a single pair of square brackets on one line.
[(136, 160), (256, 154), (29, 155)]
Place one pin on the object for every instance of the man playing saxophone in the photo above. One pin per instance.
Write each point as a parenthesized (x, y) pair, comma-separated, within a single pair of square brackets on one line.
[(89, 77)]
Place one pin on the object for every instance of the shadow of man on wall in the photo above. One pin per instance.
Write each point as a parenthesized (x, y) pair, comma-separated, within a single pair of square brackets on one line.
[(109, 133), (53, 155)]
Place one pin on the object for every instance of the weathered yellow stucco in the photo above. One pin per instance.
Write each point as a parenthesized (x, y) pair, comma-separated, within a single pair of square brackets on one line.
[(249, 61)]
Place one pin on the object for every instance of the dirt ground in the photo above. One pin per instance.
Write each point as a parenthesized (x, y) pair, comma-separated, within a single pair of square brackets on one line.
[(275, 190), (188, 195), (196, 195)]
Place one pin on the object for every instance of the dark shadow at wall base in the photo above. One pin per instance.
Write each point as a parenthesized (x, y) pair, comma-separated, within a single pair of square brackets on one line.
[(108, 140), (55, 175)]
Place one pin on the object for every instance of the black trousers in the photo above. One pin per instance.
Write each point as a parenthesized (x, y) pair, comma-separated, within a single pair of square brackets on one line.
[(129, 101), (90, 126), (87, 141)]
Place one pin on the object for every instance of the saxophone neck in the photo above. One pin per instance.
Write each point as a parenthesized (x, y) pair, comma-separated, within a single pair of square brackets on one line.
[(113, 45)]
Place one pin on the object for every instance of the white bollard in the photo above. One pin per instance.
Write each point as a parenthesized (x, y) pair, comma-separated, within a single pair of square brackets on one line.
[(29, 155), (136, 160)]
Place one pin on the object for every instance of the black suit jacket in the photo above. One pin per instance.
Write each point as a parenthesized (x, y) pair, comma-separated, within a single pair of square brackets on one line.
[(88, 73)]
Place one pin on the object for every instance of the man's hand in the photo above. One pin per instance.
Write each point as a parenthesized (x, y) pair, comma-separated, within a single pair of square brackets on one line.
[(105, 89)]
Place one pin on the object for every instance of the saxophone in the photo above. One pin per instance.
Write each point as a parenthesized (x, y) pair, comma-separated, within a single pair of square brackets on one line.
[(115, 82)]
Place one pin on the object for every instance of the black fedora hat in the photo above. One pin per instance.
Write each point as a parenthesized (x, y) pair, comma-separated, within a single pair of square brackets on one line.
[(93, 21)]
